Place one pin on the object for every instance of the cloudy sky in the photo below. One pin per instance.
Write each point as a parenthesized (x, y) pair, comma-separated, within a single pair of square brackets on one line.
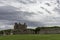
[(33, 12)]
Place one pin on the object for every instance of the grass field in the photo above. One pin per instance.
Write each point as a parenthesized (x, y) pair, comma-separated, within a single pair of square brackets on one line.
[(31, 37)]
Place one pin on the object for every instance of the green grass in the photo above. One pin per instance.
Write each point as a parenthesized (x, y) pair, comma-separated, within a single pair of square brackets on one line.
[(31, 37)]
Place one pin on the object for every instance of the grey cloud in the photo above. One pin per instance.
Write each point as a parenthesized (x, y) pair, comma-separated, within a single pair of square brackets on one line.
[(57, 10), (46, 10), (10, 15), (42, 7), (48, 4), (49, 21), (7, 12), (26, 1), (31, 23)]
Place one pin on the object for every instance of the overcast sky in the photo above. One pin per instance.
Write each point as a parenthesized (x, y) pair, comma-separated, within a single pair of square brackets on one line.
[(33, 12)]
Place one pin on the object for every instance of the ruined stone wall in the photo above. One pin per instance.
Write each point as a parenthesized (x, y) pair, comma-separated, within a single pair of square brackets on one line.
[(50, 31)]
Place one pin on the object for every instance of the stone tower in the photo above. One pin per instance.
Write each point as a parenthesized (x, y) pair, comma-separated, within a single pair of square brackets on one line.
[(20, 28)]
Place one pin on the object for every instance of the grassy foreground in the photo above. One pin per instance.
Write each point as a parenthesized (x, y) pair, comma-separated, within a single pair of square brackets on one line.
[(31, 37)]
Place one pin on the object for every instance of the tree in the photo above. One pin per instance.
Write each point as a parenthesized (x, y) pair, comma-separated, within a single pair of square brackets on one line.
[(37, 30)]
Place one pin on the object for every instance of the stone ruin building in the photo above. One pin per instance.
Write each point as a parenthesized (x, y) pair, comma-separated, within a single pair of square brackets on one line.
[(22, 29), (18, 29)]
